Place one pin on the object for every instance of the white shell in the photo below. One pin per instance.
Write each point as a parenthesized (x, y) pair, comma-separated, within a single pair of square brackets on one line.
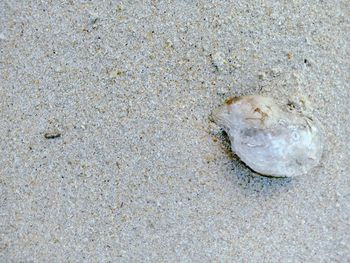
[(272, 139)]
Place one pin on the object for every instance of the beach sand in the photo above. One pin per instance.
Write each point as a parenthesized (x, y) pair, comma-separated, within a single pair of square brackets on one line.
[(108, 153)]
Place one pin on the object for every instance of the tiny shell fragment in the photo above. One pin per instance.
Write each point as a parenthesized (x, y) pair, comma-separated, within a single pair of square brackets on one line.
[(272, 139)]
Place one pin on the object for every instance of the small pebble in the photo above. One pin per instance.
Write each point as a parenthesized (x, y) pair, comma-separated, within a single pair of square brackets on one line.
[(52, 135)]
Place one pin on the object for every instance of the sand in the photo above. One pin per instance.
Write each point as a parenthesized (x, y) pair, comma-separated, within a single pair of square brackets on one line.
[(108, 153)]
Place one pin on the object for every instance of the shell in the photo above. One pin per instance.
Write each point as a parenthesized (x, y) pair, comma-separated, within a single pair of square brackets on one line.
[(272, 139)]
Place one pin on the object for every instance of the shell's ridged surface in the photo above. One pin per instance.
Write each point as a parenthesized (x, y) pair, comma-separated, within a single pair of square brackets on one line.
[(272, 139)]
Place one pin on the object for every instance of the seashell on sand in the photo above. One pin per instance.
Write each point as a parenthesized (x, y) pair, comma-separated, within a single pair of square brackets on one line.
[(272, 139)]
